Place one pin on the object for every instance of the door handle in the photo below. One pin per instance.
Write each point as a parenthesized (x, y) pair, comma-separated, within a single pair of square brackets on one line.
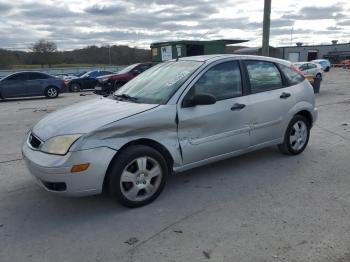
[(285, 95), (237, 106)]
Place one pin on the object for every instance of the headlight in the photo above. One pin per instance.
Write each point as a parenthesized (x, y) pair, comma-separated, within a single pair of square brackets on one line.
[(59, 145)]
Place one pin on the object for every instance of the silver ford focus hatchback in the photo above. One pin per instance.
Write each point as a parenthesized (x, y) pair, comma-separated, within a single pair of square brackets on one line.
[(177, 115)]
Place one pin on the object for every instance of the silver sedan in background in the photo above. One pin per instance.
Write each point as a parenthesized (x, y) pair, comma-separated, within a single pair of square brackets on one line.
[(25, 84), (173, 117)]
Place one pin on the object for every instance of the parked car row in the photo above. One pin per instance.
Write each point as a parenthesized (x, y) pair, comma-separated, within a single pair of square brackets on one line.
[(23, 84)]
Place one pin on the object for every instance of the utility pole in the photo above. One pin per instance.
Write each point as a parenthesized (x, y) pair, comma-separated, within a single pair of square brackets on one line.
[(109, 54), (266, 28)]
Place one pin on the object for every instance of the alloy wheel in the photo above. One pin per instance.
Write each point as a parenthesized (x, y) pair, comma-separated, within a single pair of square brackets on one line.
[(141, 179), (52, 92), (298, 135)]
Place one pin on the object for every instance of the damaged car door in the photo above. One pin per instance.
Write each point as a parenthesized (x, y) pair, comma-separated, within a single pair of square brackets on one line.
[(213, 115)]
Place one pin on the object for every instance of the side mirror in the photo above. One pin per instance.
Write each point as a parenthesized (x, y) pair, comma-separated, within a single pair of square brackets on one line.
[(200, 99)]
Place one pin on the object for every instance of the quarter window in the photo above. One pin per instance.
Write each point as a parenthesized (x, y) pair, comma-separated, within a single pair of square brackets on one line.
[(292, 76), (311, 66), (263, 76), (223, 81)]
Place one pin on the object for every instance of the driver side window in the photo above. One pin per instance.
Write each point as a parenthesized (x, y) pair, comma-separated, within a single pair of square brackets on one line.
[(223, 81)]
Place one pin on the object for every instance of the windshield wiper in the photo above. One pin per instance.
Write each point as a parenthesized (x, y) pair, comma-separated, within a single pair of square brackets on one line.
[(125, 97)]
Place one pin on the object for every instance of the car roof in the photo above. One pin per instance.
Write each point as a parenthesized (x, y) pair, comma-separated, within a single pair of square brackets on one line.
[(213, 58), (27, 72)]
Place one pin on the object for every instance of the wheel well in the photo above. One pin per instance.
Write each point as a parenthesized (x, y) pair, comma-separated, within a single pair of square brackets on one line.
[(307, 115), (146, 142)]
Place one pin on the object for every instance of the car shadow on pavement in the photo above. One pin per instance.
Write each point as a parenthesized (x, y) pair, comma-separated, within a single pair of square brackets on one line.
[(179, 186), (35, 212)]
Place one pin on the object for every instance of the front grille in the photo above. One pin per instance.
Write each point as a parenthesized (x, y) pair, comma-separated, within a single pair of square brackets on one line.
[(34, 141)]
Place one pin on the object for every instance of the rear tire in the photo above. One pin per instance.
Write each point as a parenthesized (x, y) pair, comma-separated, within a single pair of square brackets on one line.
[(296, 137), (327, 69), (75, 87), (137, 176), (51, 92)]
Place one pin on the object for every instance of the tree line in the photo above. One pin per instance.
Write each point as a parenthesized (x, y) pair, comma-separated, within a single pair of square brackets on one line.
[(45, 54)]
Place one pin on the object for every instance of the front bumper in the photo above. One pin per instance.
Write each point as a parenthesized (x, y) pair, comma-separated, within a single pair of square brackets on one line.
[(52, 172), (102, 88)]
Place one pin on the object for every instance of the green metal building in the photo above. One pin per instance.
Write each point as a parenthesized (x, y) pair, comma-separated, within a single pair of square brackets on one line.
[(164, 51)]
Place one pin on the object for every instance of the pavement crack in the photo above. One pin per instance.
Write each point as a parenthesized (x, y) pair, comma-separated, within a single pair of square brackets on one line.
[(335, 103), (164, 229), (12, 160), (332, 132)]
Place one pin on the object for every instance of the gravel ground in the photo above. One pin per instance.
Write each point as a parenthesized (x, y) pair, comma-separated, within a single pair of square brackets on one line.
[(262, 206)]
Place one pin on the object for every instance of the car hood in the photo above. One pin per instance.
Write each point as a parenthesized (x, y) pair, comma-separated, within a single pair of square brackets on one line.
[(87, 116), (113, 76)]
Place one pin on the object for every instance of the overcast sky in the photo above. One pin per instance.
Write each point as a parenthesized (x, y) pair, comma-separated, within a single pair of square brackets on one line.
[(77, 23)]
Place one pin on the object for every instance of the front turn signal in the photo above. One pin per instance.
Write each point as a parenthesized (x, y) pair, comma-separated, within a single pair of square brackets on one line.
[(79, 168)]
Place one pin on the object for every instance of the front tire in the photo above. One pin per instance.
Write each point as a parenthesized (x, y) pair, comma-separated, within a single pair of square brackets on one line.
[(296, 137), (51, 92), (137, 176), (117, 85), (75, 87)]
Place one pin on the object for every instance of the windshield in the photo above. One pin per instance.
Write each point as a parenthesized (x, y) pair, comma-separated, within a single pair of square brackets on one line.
[(86, 74), (127, 69), (159, 83)]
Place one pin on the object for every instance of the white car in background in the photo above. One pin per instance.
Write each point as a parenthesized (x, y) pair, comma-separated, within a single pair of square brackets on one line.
[(324, 63), (310, 68)]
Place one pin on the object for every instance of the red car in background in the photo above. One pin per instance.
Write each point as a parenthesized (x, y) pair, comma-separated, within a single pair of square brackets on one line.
[(109, 83), (345, 63)]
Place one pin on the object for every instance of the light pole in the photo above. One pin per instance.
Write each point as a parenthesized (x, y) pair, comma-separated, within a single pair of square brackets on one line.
[(109, 54), (266, 28)]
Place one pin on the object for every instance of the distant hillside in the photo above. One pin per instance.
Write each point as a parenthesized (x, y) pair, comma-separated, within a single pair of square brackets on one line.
[(120, 55)]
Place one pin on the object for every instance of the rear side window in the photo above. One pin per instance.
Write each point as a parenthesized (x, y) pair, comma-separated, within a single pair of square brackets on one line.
[(263, 76), (291, 75), (18, 76), (311, 66), (34, 76), (223, 81)]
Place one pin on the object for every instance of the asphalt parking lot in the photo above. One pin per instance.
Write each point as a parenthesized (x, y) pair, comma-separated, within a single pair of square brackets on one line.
[(263, 206)]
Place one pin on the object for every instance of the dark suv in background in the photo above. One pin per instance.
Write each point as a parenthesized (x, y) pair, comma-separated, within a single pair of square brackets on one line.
[(87, 80), (109, 83), (31, 84)]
